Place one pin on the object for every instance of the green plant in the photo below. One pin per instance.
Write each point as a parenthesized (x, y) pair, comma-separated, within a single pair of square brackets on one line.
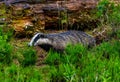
[(73, 53), (102, 8), (114, 16), (6, 32), (81, 64), (30, 57), (15, 73), (108, 50), (10, 73), (108, 13), (66, 63), (53, 58), (29, 74), (70, 73), (75, 49), (9, 34), (64, 19), (57, 74), (117, 34), (63, 73), (99, 63), (5, 50)]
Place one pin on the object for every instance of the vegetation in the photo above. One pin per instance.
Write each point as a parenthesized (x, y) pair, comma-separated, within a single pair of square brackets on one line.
[(98, 64), (29, 57), (108, 14), (77, 63)]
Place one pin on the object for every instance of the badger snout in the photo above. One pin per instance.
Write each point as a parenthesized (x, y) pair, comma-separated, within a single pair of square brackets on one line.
[(29, 45)]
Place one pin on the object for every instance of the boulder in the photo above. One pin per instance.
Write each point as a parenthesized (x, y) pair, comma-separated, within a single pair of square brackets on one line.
[(25, 15), (73, 14)]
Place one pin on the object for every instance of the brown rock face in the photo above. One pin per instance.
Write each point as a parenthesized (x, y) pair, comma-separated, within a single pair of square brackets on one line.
[(72, 14), (27, 17)]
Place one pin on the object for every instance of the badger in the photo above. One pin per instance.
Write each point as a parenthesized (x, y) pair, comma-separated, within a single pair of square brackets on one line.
[(59, 41)]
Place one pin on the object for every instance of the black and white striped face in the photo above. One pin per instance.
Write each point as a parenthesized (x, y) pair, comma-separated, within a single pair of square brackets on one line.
[(36, 38)]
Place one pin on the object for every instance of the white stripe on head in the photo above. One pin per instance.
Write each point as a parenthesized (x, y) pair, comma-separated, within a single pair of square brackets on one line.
[(42, 41), (31, 42)]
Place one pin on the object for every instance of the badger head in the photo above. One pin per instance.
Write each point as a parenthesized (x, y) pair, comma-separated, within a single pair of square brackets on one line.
[(39, 39)]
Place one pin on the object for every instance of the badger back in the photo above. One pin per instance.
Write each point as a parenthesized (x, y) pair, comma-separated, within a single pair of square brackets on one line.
[(75, 37), (61, 40), (86, 39)]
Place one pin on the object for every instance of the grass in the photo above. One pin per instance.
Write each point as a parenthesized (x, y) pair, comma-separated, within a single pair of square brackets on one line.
[(29, 57), (16, 73), (98, 64)]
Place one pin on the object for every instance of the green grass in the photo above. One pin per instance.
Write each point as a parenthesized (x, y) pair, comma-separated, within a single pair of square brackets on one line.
[(29, 57), (100, 64), (5, 48), (15, 73)]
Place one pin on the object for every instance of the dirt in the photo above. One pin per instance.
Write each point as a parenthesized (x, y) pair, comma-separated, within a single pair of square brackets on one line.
[(41, 55)]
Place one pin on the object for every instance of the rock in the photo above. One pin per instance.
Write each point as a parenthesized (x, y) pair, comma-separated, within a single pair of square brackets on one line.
[(23, 27), (26, 21), (3, 18), (10, 2), (1, 0), (73, 14), (2, 21), (53, 14)]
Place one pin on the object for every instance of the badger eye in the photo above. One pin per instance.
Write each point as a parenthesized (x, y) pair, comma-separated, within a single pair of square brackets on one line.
[(41, 36)]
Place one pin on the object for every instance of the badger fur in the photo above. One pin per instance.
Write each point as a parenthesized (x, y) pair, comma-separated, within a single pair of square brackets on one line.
[(58, 41)]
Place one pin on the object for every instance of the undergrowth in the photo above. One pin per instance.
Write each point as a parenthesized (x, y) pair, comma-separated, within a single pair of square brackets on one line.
[(99, 64), (5, 48)]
